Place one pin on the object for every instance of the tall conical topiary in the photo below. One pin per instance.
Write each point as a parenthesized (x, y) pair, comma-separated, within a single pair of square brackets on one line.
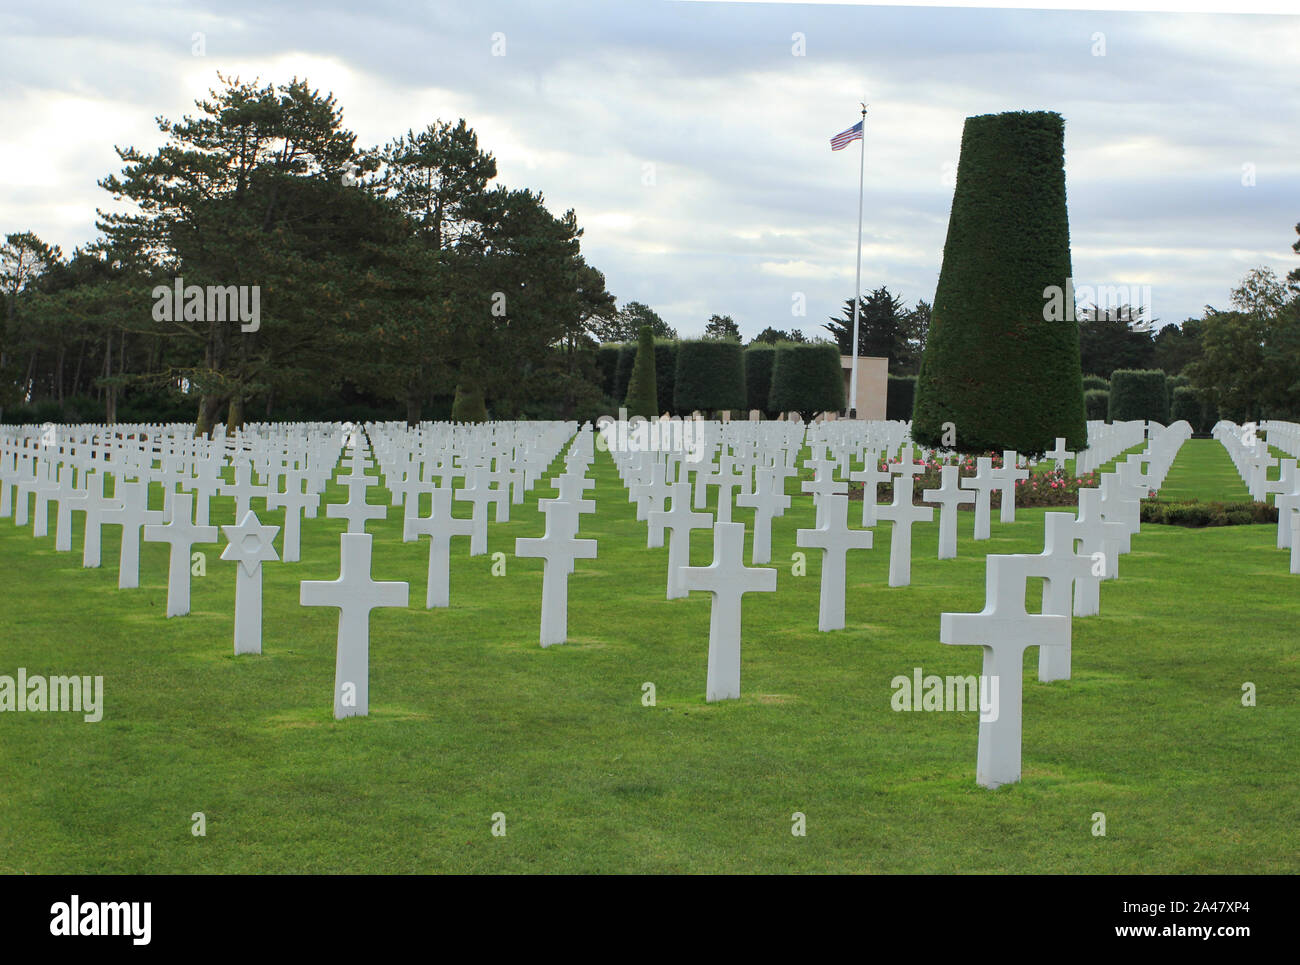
[(1001, 361), (642, 390), (468, 405)]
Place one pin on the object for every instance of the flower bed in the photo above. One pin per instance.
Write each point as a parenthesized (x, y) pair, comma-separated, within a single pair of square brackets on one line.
[(1046, 485)]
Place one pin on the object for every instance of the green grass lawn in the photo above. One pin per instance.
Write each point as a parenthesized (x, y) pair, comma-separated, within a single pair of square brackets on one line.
[(470, 717), (1203, 471)]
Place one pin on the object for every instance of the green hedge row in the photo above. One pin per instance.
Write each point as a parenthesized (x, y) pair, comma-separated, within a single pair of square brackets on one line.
[(711, 375), (807, 379), (1138, 394), (1194, 513), (759, 360), (1096, 403)]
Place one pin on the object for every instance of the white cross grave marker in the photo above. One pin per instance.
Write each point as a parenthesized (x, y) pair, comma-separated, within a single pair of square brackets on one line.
[(440, 526), (132, 513), (767, 500), (834, 539), (558, 548), (355, 594), (902, 513), (1060, 567), (1004, 630), (181, 534), (1006, 478), (983, 484), (728, 579), (356, 510), (98, 509), (679, 521), (949, 496)]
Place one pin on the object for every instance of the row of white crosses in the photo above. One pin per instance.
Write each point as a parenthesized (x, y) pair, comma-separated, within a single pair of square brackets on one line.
[(1108, 516), (559, 546), (1251, 456), (1252, 462), (1283, 435), (1005, 630), (184, 463), (1106, 441), (355, 593), (726, 578)]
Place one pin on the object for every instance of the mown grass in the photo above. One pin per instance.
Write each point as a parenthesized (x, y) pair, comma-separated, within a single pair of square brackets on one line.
[(470, 717)]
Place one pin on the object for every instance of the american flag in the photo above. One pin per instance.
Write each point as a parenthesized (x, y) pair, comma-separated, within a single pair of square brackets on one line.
[(845, 138)]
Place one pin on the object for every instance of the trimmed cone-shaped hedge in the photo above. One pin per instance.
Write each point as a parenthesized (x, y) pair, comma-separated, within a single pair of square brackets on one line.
[(1096, 403), (642, 390), (665, 373), (1004, 375), (623, 371), (607, 366), (1138, 394), (468, 405), (759, 359), (807, 379), (900, 397), (710, 376)]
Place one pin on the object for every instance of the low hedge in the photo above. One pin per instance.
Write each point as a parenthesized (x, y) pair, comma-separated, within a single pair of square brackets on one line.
[(759, 359), (666, 373), (1095, 382), (1138, 394), (1192, 512)]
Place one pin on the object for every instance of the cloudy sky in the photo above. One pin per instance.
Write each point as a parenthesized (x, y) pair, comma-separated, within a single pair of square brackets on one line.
[(692, 138)]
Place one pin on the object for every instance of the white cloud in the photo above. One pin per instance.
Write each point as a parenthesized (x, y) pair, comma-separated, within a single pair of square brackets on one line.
[(748, 199)]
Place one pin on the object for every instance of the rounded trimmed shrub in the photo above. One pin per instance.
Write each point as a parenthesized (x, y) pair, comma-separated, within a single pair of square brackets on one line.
[(998, 364), (759, 359), (899, 397), (642, 389), (1138, 394), (1095, 382), (807, 378), (710, 376), (1096, 403)]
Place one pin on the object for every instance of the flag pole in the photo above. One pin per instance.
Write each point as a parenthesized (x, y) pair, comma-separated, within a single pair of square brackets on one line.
[(857, 281)]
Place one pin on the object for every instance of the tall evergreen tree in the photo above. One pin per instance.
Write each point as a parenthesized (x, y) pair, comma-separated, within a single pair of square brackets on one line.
[(882, 327), (997, 369)]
